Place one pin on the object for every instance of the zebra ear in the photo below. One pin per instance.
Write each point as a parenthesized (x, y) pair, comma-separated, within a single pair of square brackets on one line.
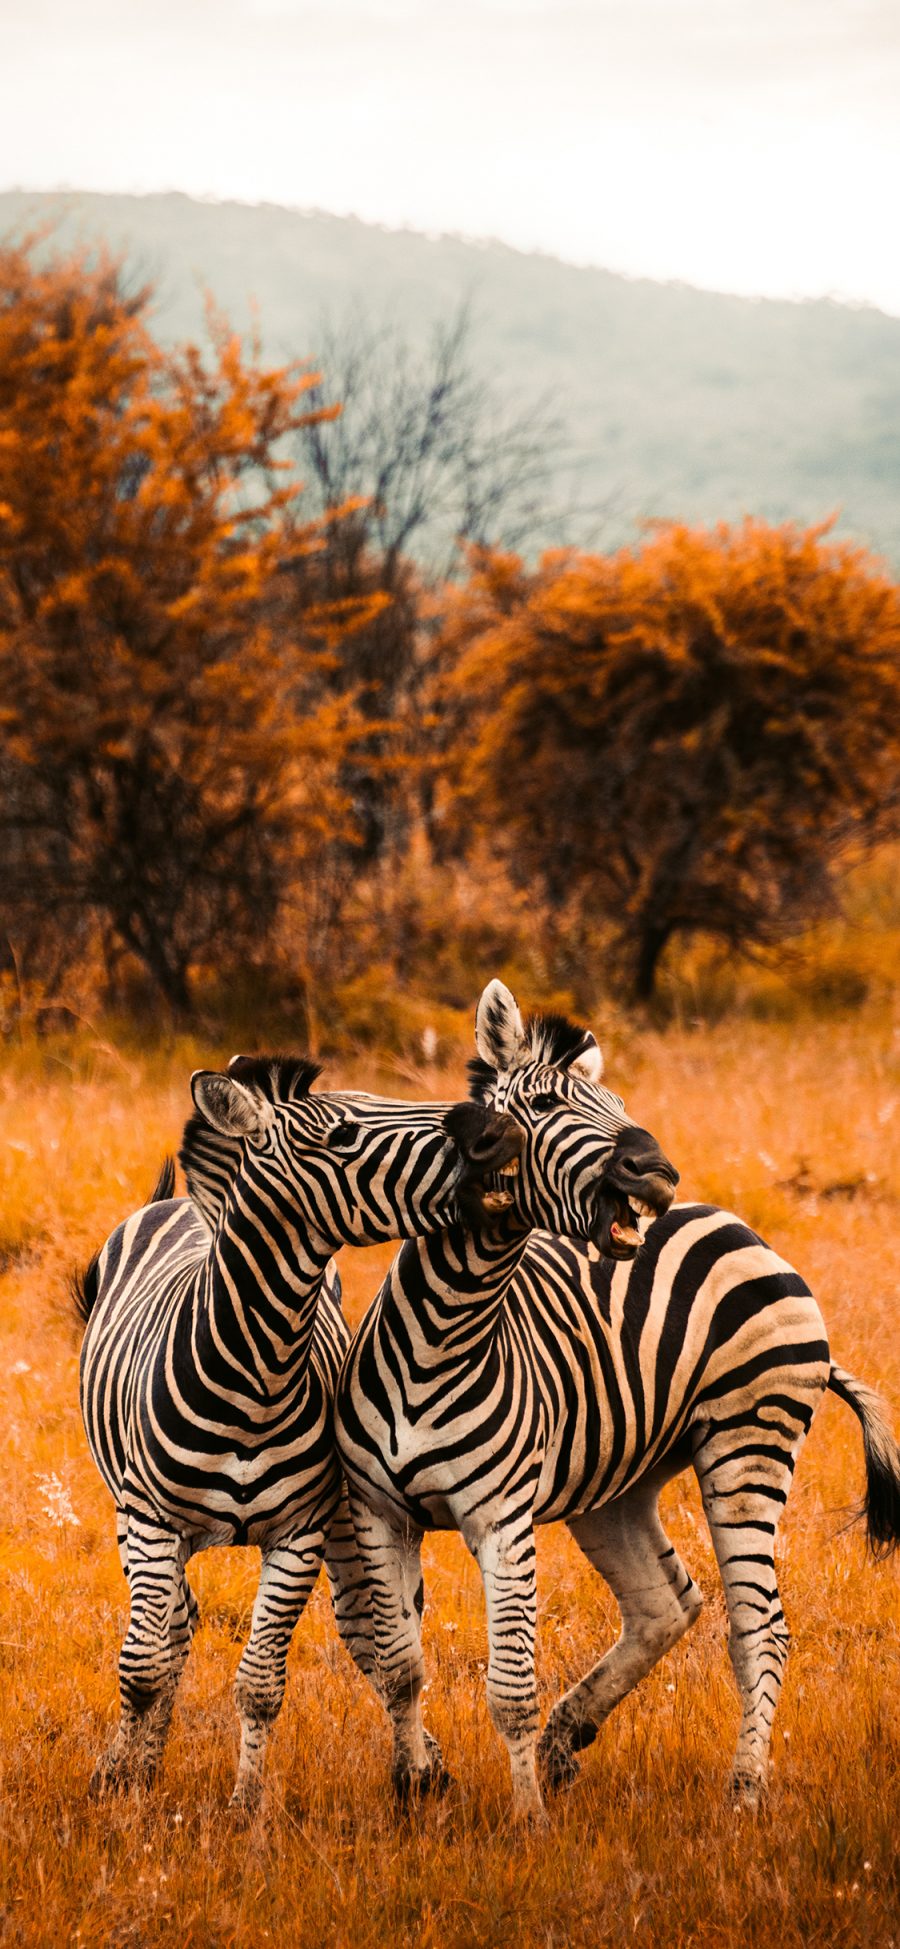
[(589, 1061), (228, 1106), (499, 1030)]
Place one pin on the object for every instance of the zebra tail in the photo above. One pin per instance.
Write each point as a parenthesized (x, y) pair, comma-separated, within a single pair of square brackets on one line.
[(84, 1286), (881, 1507)]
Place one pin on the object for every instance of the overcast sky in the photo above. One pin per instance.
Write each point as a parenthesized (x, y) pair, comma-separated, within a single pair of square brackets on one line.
[(746, 145)]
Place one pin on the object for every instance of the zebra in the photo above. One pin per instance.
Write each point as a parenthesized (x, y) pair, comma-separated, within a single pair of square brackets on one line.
[(212, 1345), (506, 1377), (437, 1398)]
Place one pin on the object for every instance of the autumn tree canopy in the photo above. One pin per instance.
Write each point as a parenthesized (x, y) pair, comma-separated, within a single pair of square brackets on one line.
[(686, 736), (223, 725), (168, 752)]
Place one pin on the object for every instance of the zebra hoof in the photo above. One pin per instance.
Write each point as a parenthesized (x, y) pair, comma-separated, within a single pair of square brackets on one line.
[(531, 1817), (412, 1786), (111, 1776), (558, 1767), (244, 1804), (435, 1756), (746, 1793)]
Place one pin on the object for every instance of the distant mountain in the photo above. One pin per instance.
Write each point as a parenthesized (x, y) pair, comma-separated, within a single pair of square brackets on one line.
[(675, 402)]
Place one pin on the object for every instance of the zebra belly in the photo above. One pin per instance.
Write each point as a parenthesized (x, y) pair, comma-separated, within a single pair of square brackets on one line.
[(296, 1513), (430, 1512), (275, 1481), (437, 1478)]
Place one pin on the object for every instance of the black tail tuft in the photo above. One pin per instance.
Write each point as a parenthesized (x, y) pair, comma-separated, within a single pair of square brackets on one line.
[(881, 1507), (85, 1286), (164, 1187)]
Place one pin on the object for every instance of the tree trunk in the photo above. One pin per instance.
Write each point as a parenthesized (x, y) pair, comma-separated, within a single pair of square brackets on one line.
[(167, 971), (651, 943)]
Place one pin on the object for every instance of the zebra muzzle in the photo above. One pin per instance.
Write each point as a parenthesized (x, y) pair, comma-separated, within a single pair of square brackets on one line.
[(490, 1143), (638, 1183)]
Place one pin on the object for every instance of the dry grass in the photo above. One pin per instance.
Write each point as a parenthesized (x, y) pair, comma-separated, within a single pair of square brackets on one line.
[(773, 1118)]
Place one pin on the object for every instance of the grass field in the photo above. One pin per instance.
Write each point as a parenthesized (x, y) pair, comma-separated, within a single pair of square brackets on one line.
[(794, 1124)]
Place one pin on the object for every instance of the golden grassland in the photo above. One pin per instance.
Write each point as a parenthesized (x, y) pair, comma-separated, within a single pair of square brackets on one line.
[(796, 1124)]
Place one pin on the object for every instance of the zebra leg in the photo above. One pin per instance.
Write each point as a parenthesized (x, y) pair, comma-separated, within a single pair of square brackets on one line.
[(187, 1601), (289, 1571), (390, 1553), (507, 1563), (153, 1653), (658, 1601), (186, 1614), (745, 1471), (350, 1593)]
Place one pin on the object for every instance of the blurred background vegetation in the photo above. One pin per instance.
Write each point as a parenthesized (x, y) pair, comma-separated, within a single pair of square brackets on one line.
[(298, 725)]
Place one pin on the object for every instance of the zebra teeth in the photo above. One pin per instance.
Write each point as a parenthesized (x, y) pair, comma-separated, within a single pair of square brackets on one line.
[(496, 1200), (510, 1170), (625, 1234)]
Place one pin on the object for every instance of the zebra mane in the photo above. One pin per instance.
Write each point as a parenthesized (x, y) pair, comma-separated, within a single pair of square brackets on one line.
[(554, 1038), (207, 1157), (280, 1078), (550, 1038), (481, 1078)]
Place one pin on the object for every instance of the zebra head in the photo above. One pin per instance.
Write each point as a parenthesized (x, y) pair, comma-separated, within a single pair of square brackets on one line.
[(355, 1169), (586, 1169)]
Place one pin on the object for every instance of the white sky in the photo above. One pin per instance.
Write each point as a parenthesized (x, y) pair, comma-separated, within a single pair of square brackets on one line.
[(746, 145)]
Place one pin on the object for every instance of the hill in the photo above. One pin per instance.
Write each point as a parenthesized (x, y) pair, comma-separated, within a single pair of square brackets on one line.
[(674, 401)]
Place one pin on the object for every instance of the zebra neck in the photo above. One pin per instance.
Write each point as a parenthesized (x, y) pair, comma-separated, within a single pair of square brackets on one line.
[(450, 1289), (259, 1294)]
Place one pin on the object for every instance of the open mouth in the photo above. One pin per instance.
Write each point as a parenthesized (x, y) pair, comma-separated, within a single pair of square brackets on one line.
[(638, 1183), (617, 1231), (491, 1146), (498, 1199), (624, 1236)]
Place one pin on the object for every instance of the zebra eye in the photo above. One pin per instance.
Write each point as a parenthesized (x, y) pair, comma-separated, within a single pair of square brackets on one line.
[(544, 1100), (342, 1137)]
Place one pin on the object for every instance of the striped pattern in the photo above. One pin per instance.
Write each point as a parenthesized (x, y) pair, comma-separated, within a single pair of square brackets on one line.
[(209, 1364), (502, 1381), (465, 1388)]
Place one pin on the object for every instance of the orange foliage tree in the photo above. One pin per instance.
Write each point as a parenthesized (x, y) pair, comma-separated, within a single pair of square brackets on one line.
[(169, 752), (683, 737)]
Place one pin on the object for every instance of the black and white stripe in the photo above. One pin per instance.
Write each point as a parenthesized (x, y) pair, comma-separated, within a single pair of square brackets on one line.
[(504, 1378), (213, 1342), (435, 1376)]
